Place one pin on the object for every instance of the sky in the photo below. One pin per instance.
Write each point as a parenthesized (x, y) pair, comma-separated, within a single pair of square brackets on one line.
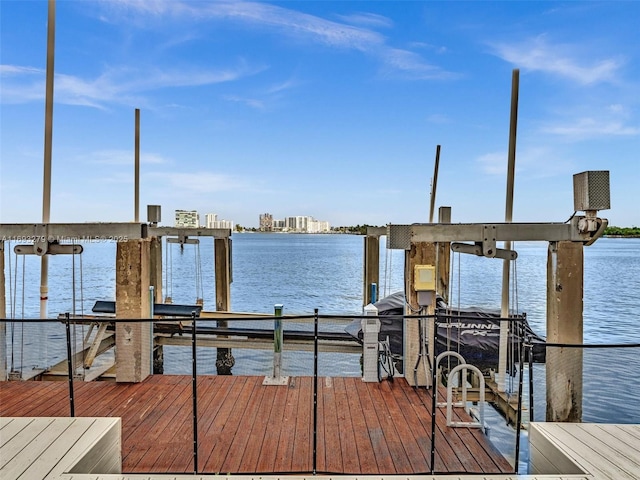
[(331, 109)]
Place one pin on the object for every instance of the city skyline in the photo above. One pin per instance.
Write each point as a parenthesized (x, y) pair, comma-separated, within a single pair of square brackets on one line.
[(332, 108)]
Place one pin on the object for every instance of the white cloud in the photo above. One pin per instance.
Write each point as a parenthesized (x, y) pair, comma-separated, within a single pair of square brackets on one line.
[(367, 19), (589, 127), (297, 24), (249, 102), (114, 85), (125, 157), (568, 61)]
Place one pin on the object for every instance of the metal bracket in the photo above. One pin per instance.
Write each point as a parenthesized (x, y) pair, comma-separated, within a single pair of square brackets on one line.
[(182, 239), (477, 249), (41, 248), (489, 241)]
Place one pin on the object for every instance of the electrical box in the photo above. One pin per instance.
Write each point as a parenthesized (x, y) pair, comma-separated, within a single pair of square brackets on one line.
[(370, 344), (153, 214), (424, 278), (591, 191)]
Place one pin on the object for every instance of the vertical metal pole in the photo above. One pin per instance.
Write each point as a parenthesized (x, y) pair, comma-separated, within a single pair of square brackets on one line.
[(434, 406), (519, 412), (434, 185), (194, 386), (48, 141), (70, 367), (504, 311), (315, 390), (3, 316), (151, 314), (531, 402), (277, 341), (136, 202)]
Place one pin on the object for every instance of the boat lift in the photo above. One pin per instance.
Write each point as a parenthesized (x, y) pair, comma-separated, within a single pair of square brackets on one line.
[(421, 243)]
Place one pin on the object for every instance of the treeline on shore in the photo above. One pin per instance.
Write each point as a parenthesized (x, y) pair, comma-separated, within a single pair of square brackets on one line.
[(622, 232)]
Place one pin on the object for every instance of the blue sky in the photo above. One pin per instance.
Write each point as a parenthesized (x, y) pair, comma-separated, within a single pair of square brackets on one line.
[(328, 109)]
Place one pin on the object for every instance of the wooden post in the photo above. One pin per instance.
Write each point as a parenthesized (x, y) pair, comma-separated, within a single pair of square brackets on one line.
[(155, 267), (3, 316), (371, 265), (222, 254), (565, 278), (155, 280), (421, 253), (443, 263), (133, 340)]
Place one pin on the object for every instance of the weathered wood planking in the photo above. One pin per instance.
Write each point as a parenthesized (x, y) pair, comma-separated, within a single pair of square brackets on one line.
[(45, 447), (245, 427), (602, 450)]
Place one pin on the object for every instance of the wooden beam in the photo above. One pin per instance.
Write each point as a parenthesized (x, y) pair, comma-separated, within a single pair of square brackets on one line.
[(222, 255), (420, 253), (565, 280), (371, 266)]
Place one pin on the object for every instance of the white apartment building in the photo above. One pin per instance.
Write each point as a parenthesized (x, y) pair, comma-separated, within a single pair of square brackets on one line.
[(213, 222), (305, 224), (187, 219), (318, 226)]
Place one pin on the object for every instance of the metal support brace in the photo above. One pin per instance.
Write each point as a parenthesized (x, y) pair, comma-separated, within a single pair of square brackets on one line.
[(95, 345)]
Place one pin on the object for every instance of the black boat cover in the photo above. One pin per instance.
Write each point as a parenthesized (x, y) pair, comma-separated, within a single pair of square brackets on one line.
[(472, 332), (165, 309)]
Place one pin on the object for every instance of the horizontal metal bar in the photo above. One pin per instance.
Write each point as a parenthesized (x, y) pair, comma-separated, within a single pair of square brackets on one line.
[(100, 231), (476, 232), (52, 249), (189, 232), (75, 232)]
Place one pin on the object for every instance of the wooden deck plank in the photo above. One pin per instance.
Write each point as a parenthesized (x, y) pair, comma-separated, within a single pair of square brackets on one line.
[(12, 399), (321, 459), (302, 449), (142, 445), (221, 442), (240, 443), (382, 454), (258, 430), (13, 465), (350, 461), (245, 427), (170, 432), (284, 452), (364, 446), (414, 441), (390, 425), (211, 417), (333, 452), (267, 457)]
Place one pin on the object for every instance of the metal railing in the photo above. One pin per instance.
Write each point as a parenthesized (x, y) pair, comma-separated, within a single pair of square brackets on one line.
[(604, 371)]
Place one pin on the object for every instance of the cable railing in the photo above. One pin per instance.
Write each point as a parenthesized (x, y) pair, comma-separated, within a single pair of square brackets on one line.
[(608, 372)]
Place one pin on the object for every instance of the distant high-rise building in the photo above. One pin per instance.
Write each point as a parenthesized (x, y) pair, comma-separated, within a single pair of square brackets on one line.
[(210, 219), (213, 222), (266, 222), (187, 219)]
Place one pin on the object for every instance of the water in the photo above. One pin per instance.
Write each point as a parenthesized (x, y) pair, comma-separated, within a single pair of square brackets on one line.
[(304, 272)]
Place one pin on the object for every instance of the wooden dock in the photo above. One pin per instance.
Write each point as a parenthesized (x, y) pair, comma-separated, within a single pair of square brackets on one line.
[(246, 427)]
